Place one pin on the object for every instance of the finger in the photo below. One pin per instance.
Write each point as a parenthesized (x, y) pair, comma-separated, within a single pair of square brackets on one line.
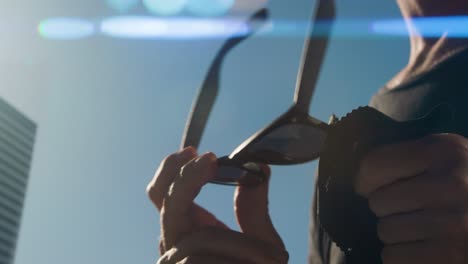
[(175, 215), (251, 209), (225, 243), (393, 162), (205, 218), (169, 168), (420, 226), (427, 252), (424, 191)]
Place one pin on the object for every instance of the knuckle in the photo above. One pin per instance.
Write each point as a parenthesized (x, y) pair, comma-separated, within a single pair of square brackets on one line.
[(168, 196), (151, 192), (187, 169), (170, 160), (155, 194), (154, 189)]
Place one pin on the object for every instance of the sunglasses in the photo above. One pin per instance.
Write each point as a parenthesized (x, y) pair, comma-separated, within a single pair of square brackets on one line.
[(293, 138)]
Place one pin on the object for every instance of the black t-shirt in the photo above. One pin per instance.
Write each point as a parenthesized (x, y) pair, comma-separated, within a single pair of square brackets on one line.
[(445, 83)]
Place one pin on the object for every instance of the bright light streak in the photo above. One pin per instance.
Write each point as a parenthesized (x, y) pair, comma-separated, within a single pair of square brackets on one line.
[(146, 27), (122, 6), (136, 27), (209, 7), (133, 27), (164, 7), (66, 28), (455, 27)]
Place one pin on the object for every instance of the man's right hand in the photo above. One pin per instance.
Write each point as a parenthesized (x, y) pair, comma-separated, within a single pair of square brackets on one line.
[(191, 234)]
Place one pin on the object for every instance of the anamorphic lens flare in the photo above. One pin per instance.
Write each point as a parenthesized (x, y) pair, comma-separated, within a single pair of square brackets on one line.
[(66, 28), (122, 6), (164, 7), (148, 27), (175, 28), (454, 27), (209, 7)]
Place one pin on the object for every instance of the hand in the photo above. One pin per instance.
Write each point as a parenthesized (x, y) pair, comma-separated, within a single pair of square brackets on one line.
[(419, 191), (191, 234)]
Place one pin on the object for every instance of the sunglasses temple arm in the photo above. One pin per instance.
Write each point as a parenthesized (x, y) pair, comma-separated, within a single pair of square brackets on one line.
[(202, 105), (313, 54), (206, 97)]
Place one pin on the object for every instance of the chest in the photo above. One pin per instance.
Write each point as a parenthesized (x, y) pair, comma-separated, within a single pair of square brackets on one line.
[(416, 102)]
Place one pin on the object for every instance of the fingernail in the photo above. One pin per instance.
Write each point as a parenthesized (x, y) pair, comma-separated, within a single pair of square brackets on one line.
[(207, 157)]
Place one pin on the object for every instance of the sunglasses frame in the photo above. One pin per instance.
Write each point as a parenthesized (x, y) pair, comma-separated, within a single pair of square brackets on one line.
[(292, 116), (311, 62), (203, 103)]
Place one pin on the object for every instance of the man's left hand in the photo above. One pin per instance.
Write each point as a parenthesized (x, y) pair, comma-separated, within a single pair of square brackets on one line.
[(419, 191)]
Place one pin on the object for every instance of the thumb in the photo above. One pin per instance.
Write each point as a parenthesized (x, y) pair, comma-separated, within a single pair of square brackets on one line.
[(251, 209)]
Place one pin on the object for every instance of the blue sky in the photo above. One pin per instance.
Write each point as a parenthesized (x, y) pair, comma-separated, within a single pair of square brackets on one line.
[(114, 108)]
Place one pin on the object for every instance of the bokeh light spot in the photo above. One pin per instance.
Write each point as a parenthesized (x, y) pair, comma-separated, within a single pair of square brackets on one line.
[(135, 27), (209, 7), (122, 6), (65, 28), (164, 7)]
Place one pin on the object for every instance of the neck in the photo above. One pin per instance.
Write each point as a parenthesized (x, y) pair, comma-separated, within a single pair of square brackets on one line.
[(426, 52)]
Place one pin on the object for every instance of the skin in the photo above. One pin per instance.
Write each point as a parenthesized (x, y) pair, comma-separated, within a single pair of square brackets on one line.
[(191, 234), (427, 52), (418, 189)]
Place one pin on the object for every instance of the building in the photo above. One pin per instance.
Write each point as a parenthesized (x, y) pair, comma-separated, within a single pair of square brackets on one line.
[(17, 135)]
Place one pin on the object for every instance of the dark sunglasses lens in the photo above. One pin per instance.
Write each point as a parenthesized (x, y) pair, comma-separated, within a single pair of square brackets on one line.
[(290, 143), (246, 174)]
